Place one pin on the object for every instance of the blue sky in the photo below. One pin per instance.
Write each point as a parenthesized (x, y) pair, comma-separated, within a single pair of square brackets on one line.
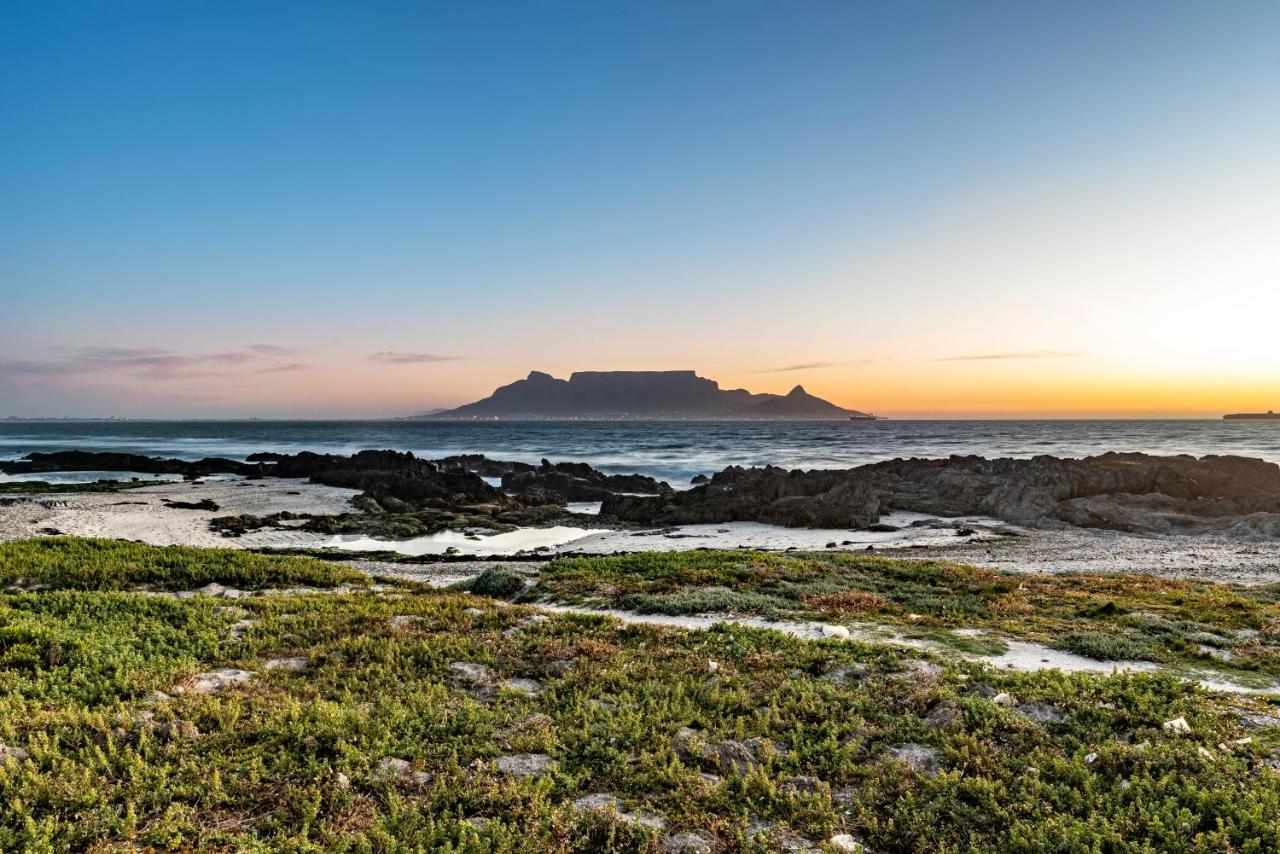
[(874, 189)]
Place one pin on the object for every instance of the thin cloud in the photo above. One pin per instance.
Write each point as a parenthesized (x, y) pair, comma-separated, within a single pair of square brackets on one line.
[(287, 368), (810, 366), (151, 364), (1024, 354), (271, 349), (394, 357)]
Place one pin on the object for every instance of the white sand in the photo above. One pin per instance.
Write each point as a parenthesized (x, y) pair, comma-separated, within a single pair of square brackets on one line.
[(459, 542), (140, 514)]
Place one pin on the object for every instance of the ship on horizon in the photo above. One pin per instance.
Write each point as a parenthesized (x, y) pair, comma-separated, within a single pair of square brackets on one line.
[(1269, 415)]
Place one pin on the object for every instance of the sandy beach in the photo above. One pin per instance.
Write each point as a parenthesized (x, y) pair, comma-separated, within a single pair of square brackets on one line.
[(144, 515)]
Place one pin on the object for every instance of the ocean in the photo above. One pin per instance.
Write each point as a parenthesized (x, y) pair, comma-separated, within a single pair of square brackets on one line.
[(673, 451)]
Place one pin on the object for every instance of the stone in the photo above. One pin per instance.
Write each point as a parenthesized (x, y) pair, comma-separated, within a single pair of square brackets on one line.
[(597, 801), (802, 785), (917, 757), (394, 770), (846, 843), (295, 663), (12, 754), (731, 757), (1041, 713), (214, 681), (475, 677), (837, 632), (610, 802), (1178, 726), (689, 843), (944, 716), (528, 687), (1258, 720), (687, 742), (179, 730), (521, 765)]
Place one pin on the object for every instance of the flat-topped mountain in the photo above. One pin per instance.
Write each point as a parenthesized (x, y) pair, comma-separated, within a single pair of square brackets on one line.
[(639, 394)]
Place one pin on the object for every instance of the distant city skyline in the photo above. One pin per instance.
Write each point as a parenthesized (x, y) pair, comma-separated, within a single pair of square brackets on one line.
[(364, 210)]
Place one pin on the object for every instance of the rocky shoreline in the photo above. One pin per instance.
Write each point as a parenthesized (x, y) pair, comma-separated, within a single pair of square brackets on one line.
[(1236, 497), (400, 495)]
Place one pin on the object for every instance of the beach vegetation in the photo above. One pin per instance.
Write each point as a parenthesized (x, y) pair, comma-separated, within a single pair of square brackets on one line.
[(363, 718)]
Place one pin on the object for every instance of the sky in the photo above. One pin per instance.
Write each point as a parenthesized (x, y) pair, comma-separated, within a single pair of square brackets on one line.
[(307, 209)]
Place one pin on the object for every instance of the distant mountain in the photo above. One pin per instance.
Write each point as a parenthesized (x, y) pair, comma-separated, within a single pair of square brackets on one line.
[(799, 404), (638, 394)]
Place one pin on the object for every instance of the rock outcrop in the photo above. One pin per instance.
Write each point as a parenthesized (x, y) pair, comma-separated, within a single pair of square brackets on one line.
[(796, 499), (556, 483), (1231, 496), (36, 463)]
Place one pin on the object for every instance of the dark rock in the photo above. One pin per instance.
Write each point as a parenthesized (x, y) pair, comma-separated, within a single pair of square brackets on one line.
[(482, 465), (1041, 713), (699, 479), (945, 716), (203, 504), (731, 757), (817, 499), (1231, 496), (111, 461), (578, 482), (802, 785)]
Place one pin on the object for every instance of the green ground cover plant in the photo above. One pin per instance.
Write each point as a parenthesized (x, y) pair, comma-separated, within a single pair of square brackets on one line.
[(1230, 628), (100, 565), (399, 718)]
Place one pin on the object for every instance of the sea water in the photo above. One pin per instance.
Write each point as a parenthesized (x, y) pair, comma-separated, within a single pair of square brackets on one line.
[(673, 451)]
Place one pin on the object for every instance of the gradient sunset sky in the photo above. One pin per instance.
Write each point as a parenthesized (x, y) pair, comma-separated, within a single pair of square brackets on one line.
[(364, 209)]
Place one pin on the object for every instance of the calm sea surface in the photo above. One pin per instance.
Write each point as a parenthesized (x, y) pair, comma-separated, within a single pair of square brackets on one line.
[(673, 451)]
